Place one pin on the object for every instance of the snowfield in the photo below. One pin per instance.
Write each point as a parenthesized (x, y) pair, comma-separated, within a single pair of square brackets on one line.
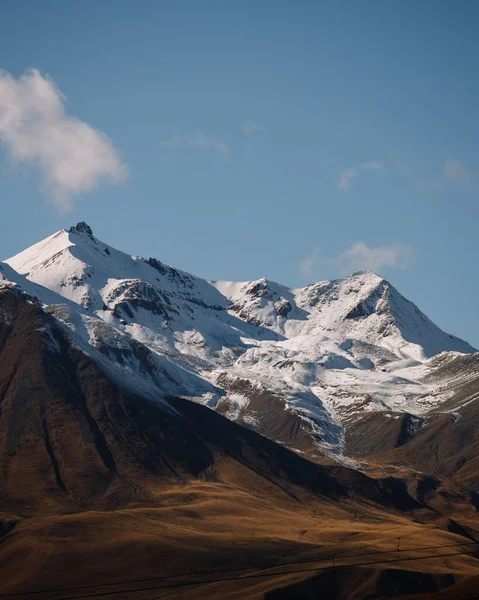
[(329, 352)]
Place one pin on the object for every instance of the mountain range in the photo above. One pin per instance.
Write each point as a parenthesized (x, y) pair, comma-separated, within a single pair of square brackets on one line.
[(129, 385)]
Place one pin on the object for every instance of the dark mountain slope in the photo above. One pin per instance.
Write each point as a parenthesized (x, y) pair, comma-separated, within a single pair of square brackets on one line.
[(444, 442)]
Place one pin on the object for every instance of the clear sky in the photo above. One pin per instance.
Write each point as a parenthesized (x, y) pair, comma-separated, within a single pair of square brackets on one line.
[(297, 140)]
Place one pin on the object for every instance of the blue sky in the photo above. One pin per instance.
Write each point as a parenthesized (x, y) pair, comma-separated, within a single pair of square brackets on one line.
[(294, 140)]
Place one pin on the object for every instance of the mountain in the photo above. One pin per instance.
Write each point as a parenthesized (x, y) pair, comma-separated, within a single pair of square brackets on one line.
[(176, 435), (300, 366)]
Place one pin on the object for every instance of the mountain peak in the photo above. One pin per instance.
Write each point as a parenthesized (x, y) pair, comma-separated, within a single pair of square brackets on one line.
[(366, 274), (81, 227)]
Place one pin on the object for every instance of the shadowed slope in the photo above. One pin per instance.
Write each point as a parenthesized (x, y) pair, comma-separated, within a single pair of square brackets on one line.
[(444, 442)]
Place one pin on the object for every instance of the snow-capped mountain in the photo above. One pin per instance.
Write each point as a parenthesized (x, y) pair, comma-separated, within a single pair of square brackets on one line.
[(298, 365)]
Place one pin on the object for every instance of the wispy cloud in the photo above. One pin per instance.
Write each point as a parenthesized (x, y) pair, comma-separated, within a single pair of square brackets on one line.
[(359, 257), (454, 171), (308, 265), (251, 126), (72, 156), (346, 177), (196, 140), (373, 165)]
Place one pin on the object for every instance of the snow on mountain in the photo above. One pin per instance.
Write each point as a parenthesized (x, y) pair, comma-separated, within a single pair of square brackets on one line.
[(127, 360), (258, 352), (76, 265), (363, 307)]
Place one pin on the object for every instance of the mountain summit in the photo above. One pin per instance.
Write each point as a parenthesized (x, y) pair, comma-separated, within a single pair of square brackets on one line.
[(298, 365)]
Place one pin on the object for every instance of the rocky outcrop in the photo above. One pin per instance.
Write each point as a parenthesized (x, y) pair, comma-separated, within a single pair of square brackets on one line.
[(82, 227), (131, 295)]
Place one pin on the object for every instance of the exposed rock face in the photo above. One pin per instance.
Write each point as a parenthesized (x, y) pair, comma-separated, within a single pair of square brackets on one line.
[(156, 264), (131, 295), (81, 227), (261, 410), (283, 307)]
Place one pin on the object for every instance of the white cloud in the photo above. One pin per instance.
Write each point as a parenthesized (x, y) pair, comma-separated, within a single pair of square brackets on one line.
[(251, 126), (346, 177), (72, 156), (197, 140), (359, 257), (454, 171), (344, 181), (373, 165), (308, 265)]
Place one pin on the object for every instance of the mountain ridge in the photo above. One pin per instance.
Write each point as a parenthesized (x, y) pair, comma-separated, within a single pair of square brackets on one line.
[(319, 357)]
